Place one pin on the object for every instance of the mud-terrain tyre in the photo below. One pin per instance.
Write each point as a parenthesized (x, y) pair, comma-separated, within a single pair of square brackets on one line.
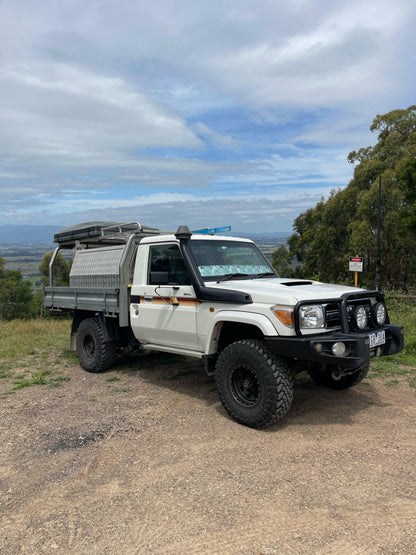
[(254, 387), (94, 353), (332, 378)]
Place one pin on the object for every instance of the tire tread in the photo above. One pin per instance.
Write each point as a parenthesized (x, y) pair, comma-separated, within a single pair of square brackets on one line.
[(278, 383), (105, 351)]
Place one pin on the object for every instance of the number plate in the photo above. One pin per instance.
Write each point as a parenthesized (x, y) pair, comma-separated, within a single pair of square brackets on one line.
[(377, 338)]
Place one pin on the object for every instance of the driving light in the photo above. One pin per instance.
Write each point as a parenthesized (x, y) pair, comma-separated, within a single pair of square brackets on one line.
[(311, 316), (360, 317), (379, 314)]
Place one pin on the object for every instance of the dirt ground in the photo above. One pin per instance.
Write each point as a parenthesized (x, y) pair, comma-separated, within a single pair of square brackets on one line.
[(143, 459)]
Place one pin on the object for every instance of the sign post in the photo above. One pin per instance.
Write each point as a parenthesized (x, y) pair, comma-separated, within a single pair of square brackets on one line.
[(356, 265)]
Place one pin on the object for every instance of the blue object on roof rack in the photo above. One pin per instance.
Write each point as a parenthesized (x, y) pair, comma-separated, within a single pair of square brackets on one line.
[(210, 230)]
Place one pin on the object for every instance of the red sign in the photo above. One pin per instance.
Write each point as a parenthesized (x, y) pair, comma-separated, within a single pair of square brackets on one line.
[(356, 263)]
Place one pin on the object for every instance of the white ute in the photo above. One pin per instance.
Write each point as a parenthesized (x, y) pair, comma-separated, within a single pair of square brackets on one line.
[(216, 298)]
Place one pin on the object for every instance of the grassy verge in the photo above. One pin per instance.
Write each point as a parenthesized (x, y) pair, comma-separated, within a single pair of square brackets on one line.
[(403, 312), (36, 352), (33, 352)]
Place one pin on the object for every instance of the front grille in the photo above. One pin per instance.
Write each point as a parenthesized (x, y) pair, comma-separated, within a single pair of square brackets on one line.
[(332, 315)]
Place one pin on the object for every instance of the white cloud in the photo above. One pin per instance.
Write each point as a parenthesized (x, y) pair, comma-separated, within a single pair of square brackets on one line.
[(217, 138), (55, 109), (338, 61), (105, 104), (274, 212)]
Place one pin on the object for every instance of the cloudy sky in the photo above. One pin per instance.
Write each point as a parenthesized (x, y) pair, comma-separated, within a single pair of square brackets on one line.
[(206, 113)]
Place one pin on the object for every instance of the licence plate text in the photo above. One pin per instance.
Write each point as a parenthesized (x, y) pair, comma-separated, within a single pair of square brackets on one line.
[(377, 338)]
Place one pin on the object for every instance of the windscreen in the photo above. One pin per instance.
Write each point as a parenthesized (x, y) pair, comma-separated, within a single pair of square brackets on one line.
[(216, 259)]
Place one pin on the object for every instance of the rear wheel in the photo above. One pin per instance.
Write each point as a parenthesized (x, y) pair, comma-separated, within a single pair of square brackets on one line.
[(333, 377), (255, 388), (94, 353)]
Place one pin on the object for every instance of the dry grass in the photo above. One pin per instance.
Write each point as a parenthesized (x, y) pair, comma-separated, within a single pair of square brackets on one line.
[(33, 352)]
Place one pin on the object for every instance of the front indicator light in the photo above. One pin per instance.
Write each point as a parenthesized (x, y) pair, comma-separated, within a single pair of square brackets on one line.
[(285, 316)]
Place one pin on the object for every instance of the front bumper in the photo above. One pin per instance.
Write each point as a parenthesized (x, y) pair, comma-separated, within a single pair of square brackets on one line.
[(358, 347)]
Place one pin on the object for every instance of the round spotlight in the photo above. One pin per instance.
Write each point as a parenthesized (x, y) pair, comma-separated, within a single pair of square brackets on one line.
[(379, 314), (360, 317)]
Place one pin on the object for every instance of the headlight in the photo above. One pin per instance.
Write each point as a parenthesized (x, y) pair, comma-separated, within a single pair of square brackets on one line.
[(312, 316), (379, 314)]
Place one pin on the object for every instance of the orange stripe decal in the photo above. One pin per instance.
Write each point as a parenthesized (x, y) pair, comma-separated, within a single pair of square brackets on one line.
[(183, 301)]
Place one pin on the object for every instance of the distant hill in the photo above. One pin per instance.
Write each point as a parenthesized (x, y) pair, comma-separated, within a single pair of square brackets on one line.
[(263, 235), (27, 234), (36, 234)]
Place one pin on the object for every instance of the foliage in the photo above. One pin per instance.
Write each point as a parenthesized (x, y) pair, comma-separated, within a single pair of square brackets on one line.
[(281, 260), (408, 177), (60, 271), (401, 311), (17, 299), (15, 294), (346, 223)]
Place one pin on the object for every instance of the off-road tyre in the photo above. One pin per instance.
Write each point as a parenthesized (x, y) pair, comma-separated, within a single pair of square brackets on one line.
[(330, 376), (94, 353), (254, 386)]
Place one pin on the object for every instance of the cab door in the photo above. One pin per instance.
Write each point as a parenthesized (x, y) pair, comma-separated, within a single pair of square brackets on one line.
[(164, 309)]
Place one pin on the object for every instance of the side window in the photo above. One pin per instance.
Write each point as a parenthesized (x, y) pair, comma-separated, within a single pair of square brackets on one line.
[(166, 266)]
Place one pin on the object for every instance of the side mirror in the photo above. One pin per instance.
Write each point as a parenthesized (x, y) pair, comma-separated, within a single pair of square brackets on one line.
[(159, 278)]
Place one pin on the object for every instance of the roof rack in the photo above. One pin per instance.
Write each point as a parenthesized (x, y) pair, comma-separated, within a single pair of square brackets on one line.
[(101, 233), (95, 234)]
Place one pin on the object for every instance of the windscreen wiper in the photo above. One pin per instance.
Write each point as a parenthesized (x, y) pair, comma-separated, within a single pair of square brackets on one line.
[(266, 274), (231, 276)]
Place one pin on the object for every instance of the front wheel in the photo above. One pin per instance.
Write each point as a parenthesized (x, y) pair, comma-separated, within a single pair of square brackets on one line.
[(94, 353), (254, 387), (331, 376)]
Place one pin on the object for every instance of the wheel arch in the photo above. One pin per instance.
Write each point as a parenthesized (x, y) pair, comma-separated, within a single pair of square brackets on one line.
[(109, 326), (231, 326)]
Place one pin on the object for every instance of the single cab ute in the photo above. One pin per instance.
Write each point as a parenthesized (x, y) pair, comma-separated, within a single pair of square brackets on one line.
[(216, 298)]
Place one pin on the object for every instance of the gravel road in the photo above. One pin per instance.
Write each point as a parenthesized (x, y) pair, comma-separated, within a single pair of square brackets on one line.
[(144, 460)]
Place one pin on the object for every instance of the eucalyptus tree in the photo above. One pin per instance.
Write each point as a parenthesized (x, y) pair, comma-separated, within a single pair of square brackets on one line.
[(346, 223), (15, 294)]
